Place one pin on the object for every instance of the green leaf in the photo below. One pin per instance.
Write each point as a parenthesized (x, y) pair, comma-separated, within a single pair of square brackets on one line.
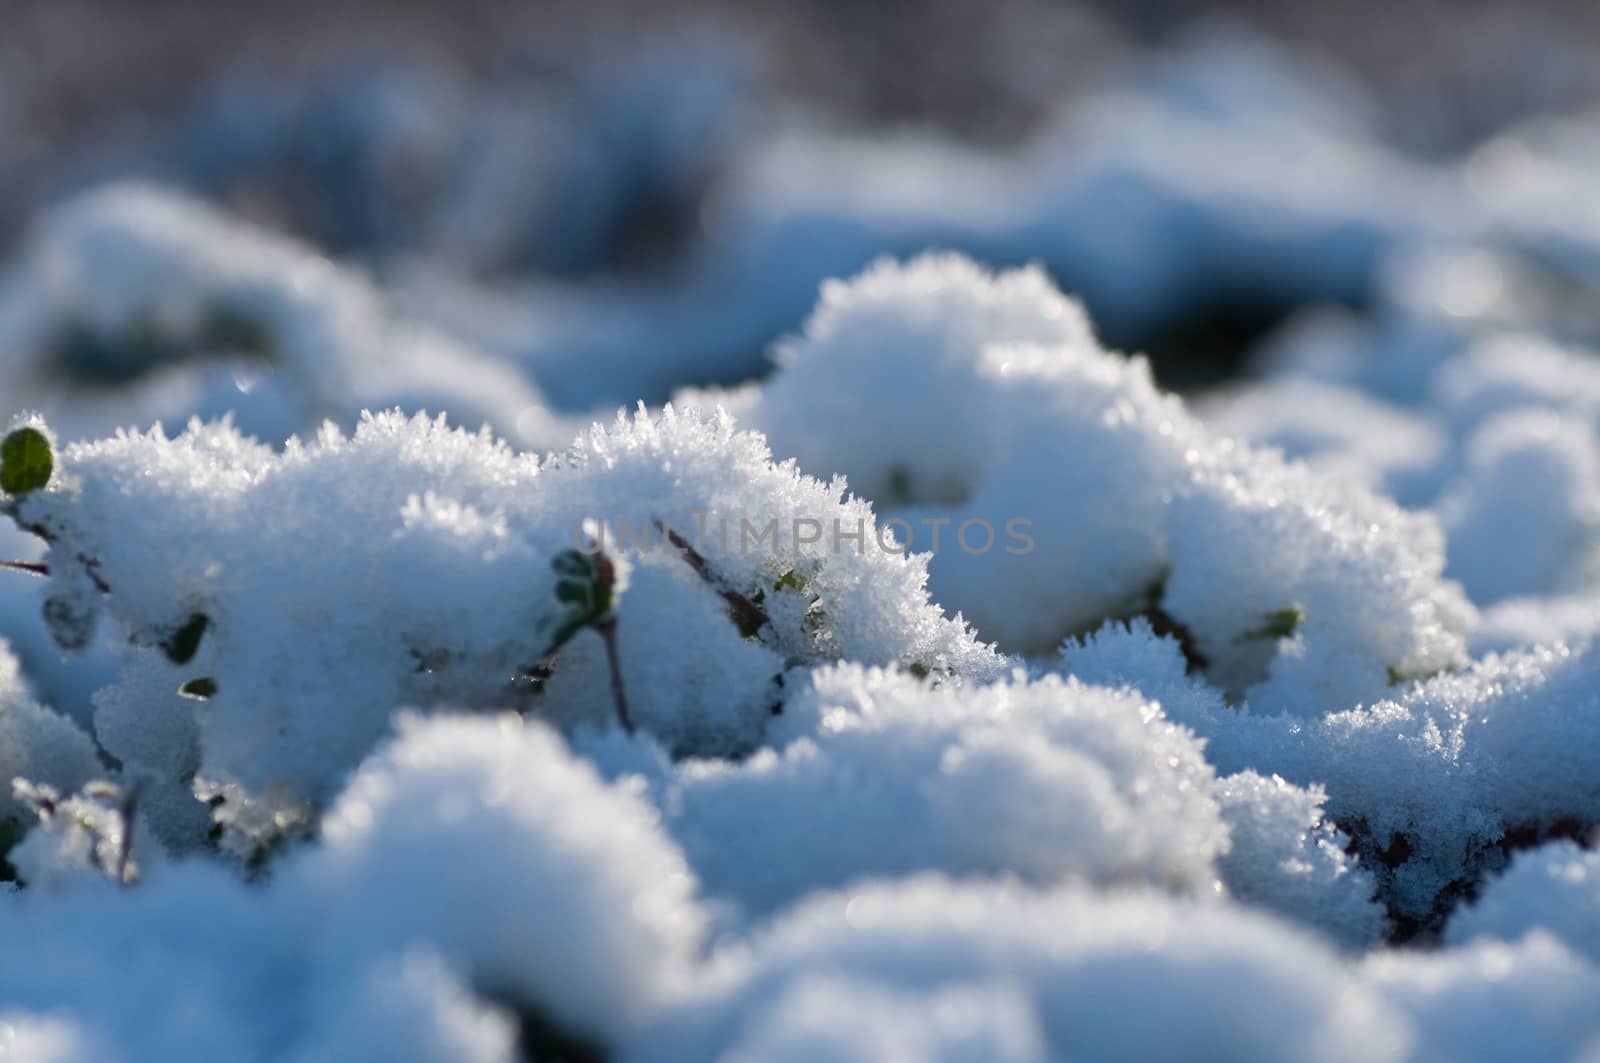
[(25, 461), (1279, 625), (584, 584), (182, 644), (199, 688)]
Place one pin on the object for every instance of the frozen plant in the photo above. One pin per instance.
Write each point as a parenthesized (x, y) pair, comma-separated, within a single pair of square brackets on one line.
[(958, 399), (274, 609)]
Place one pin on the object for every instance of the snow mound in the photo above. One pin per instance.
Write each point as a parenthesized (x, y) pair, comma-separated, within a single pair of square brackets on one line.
[(1555, 888), (878, 774), (133, 304), (274, 609), (1069, 490)]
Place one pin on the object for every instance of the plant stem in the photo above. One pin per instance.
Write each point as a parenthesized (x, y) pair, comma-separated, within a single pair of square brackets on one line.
[(754, 617), (608, 631), (37, 568)]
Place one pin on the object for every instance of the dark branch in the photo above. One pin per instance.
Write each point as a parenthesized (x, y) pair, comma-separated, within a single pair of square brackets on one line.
[(39, 568), (752, 615), (608, 632)]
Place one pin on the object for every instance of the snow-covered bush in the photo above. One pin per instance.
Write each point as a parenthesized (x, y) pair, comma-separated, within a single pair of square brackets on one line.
[(1069, 489), (275, 609), (1433, 785)]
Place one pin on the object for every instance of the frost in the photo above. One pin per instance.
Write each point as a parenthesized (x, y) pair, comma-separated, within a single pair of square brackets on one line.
[(93, 836), (1285, 857), (1127, 502), (214, 557), (1433, 785)]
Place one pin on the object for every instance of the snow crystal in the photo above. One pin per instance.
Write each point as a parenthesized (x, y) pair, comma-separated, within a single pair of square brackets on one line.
[(1284, 856), (229, 566)]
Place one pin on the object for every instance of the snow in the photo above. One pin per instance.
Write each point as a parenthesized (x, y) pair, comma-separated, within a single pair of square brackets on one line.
[(132, 304), (1553, 888), (875, 774), (1210, 983), (584, 913), (1124, 499), (36, 743), (923, 681), (213, 535)]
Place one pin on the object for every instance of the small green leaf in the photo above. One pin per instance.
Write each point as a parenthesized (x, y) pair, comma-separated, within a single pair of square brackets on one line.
[(200, 688), (1279, 625), (789, 582), (585, 584), (181, 646), (918, 670), (25, 461)]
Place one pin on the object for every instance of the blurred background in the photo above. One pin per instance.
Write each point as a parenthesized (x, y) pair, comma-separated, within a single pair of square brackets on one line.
[(624, 197)]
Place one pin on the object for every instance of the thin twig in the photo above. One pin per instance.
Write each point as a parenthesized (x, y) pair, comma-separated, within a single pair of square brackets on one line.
[(127, 810), (753, 616), (39, 568), (608, 632)]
